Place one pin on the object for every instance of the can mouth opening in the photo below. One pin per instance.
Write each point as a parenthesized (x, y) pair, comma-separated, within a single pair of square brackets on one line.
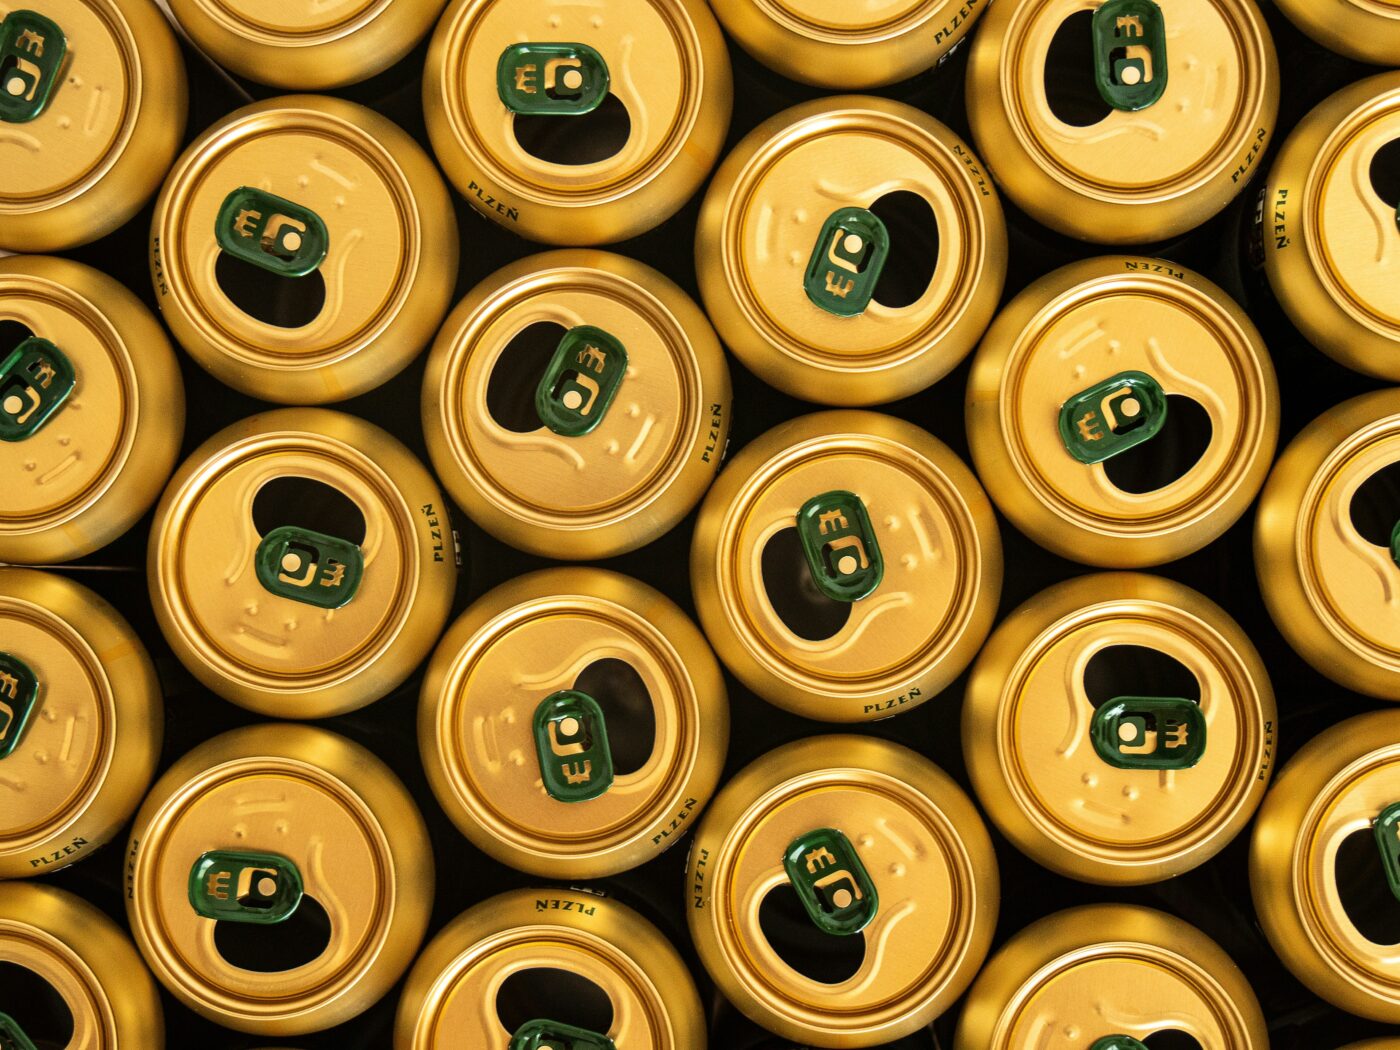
[(794, 594), (1070, 89), (285, 302), (1172, 1039), (300, 939), (914, 246), (36, 1006), (1170, 455), (588, 138), (1136, 670), (12, 333), (510, 388), (560, 995), (627, 712), (1385, 173), (1375, 506), (817, 955), (307, 504), (1363, 891)]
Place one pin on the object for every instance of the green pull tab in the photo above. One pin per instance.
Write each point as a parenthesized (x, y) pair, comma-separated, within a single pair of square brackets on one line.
[(847, 261), (31, 52), (238, 886), (581, 381), (1113, 416), (831, 882), (551, 1035), (1395, 543), (309, 567), (1149, 732), (271, 232), (1130, 53), (839, 541), (561, 80), (1387, 830), (12, 1036), (19, 699), (1117, 1042), (35, 379), (571, 743)]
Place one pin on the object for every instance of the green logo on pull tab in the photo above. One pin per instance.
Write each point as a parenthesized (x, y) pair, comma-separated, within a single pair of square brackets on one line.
[(847, 261), (1146, 732), (309, 567), (561, 80), (1117, 1042), (19, 699), (571, 743), (12, 1036), (1387, 831), (35, 379), (839, 541), (237, 886), (831, 882), (31, 52), (271, 232), (581, 381), (1130, 53), (1113, 416), (551, 1035)]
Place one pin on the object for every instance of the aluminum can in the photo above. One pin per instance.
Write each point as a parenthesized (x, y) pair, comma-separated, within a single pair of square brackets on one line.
[(1361, 29)]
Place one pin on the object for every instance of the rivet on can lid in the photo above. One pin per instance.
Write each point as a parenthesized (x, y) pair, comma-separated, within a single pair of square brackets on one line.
[(571, 742), (309, 567), (563, 80), (12, 1036), (35, 379), (831, 882), (581, 381), (1112, 417), (238, 886), (31, 53), (1118, 1042), (271, 232), (19, 698), (1144, 732), (1387, 830), (847, 260), (551, 1035), (839, 541), (1130, 53)]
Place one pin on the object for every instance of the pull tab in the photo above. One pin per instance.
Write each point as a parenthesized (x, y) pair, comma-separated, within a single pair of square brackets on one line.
[(35, 379), (271, 232), (561, 80), (581, 381), (1113, 416), (309, 567), (839, 541), (1118, 1042), (571, 743), (237, 886), (1130, 53), (551, 1035), (847, 261), (19, 699), (1149, 732), (31, 52), (1395, 543), (12, 1036), (831, 882), (1387, 831)]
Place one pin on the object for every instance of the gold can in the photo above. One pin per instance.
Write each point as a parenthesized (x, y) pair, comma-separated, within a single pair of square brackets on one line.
[(94, 107), (1327, 226), (301, 563), (75, 480), (1326, 544), (74, 979), (81, 722), (573, 723), (1375, 1044), (304, 45), (279, 879), (846, 566), (1366, 30), (1123, 411), (843, 891), (1106, 970), (851, 251), (1123, 122), (1119, 728), (576, 404), (495, 973), (828, 43), (304, 249), (577, 125)]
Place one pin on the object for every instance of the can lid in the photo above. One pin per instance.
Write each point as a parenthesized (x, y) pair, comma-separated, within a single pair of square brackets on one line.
[(1362, 29)]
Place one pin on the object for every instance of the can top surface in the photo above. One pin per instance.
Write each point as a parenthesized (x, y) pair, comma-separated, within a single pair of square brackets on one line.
[(1367, 30)]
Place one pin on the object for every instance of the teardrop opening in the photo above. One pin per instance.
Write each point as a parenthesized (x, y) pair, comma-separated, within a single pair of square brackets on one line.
[(36, 1006), (1136, 670), (576, 140), (510, 388), (1176, 448), (300, 939), (913, 257), (1375, 505), (1363, 890), (799, 603), (817, 955), (544, 993), (1070, 90), (307, 504), (286, 302), (627, 711)]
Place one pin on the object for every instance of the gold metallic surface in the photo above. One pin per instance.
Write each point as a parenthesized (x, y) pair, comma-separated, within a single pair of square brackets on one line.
[(1331, 245), (90, 748), (835, 44), (389, 273), (1366, 30), (925, 848), (87, 959), (765, 208), (1026, 721), (669, 68), (648, 461), (340, 816), (98, 464), (1080, 325), (1374, 1044), (528, 639), (1132, 177), (86, 164), (1109, 969), (272, 654), (907, 641), (450, 997), (1336, 786), (1329, 590)]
